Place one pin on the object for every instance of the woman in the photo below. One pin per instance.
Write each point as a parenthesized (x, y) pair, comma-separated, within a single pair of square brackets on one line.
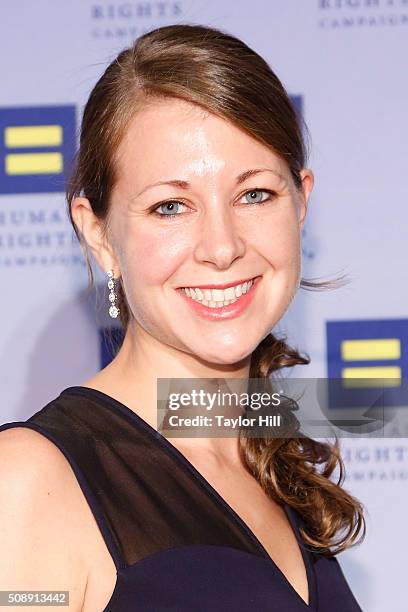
[(190, 180)]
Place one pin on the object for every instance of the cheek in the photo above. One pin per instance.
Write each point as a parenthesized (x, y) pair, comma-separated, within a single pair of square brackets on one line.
[(150, 257), (279, 242)]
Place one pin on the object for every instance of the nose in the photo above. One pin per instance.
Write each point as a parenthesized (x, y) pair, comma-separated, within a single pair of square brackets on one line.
[(220, 242)]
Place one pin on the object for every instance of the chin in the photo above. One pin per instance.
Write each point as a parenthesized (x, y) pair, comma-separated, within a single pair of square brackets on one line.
[(225, 356)]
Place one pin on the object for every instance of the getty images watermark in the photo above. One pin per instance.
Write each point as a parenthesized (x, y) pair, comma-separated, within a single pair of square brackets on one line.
[(302, 407), (230, 403)]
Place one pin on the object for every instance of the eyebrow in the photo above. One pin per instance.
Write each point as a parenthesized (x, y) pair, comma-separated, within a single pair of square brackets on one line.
[(241, 178)]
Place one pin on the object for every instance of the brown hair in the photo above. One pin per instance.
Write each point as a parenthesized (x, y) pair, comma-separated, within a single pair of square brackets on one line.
[(220, 73)]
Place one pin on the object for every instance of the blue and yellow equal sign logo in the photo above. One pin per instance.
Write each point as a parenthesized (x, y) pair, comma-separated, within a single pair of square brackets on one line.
[(37, 147), (367, 356)]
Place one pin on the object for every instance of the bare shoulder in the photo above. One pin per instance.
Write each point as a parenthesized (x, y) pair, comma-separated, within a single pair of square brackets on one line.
[(29, 458), (42, 516)]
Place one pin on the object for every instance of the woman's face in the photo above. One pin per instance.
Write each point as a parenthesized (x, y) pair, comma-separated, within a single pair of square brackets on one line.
[(223, 231)]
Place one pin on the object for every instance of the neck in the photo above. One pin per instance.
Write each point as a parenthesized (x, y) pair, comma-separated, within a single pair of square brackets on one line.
[(132, 378)]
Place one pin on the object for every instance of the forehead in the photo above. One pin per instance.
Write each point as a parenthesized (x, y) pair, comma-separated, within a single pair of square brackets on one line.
[(172, 135)]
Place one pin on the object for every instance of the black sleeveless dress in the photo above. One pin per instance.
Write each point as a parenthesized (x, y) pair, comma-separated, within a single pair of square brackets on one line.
[(176, 543)]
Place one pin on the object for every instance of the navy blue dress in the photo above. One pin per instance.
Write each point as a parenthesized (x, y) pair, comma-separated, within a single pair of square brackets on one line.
[(176, 543)]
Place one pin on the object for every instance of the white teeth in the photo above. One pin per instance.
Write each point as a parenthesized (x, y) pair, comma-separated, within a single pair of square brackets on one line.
[(217, 295), (229, 293), (216, 298)]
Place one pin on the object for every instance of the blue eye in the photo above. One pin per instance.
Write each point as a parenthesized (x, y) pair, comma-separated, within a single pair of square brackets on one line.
[(172, 204), (259, 191)]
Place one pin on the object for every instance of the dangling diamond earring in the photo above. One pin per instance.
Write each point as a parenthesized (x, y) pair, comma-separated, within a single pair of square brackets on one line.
[(113, 310)]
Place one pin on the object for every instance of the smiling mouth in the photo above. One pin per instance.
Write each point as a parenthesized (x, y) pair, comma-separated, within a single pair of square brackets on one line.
[(217, 297), (220, 285)]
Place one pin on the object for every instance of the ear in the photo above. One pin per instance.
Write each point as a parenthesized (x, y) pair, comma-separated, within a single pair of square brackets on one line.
[(91, 229), (307, 178)]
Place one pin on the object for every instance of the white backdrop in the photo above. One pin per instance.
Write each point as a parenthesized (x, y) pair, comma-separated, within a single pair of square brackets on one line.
[(346, 58)]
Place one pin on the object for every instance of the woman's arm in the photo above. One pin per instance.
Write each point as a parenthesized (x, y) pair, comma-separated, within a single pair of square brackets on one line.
[(40, 527)]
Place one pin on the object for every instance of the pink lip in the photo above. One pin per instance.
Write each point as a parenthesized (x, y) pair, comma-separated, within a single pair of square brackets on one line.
[(225, 312), (222, 286)]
